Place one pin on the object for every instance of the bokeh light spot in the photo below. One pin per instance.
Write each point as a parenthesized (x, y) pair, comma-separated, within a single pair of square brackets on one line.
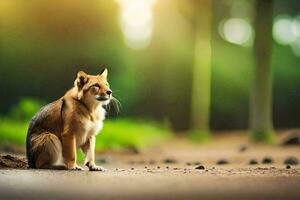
[(237, 31), (283, 32)]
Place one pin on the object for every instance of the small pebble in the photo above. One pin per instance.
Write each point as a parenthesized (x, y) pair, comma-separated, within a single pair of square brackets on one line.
[(253, 162), (222, 162), (132, 168), (291, 161), (293, 138), (243, 148), (146, 167), (167, 167), (288, 167), (197, 163), (158, 167), (201, 167), (188, 163), (169, 160), (267, 160), (175, 168)]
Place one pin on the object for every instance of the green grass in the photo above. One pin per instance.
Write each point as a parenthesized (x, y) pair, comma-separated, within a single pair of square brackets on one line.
[(116, 134), (200, 136)]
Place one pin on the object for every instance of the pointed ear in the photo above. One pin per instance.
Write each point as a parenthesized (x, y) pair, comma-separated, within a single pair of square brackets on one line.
[(82, 78), (104, 73)]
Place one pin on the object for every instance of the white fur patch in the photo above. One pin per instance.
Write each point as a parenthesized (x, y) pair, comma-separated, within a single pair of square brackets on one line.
[(92, 128)]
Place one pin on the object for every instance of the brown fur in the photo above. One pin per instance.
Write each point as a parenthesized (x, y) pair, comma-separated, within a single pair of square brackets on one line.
[(72, 122)]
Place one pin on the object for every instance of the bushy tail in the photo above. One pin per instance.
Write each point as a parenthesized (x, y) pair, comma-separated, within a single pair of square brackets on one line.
[(44, 151)]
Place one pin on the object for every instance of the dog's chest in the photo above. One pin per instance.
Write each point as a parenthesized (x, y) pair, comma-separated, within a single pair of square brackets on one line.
[(91, 127)]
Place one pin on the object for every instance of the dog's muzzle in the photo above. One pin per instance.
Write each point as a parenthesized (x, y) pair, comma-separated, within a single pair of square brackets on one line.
[(102, 98)]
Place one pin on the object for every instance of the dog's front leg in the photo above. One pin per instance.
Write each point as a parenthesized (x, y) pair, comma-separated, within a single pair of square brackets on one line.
[(69, 151), (89, 150)]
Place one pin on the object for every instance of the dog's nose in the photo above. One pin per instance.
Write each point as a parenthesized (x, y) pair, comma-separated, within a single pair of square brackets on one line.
[(108, 92)]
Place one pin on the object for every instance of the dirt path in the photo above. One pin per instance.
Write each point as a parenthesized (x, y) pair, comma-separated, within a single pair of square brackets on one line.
[(168, 172), (142, 184)]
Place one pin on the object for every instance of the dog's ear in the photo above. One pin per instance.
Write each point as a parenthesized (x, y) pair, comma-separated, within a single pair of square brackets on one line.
[(104, 73), (82, 78)]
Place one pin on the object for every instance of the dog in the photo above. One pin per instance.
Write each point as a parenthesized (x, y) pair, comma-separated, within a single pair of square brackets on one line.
[(69, 123)]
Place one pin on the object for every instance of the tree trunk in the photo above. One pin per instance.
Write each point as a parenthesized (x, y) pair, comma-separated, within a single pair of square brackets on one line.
[(201, 83), (261, 105)]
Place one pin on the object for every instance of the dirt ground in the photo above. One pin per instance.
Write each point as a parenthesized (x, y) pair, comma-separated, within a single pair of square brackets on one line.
[(227, 169)]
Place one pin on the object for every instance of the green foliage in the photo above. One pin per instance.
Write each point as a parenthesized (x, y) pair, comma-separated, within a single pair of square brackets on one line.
[(25, 109), (260, 136), (123, 133), (13, 127), (117, 134), (200, 136), (13, 132)]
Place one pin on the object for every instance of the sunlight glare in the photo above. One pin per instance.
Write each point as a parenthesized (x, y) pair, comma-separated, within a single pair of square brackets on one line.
[(136, 22)]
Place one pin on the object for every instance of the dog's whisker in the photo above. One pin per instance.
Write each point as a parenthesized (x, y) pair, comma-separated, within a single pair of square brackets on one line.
[(116, 104)]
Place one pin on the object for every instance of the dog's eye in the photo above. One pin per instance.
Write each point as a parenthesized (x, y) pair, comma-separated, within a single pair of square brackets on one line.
[(95, 88)]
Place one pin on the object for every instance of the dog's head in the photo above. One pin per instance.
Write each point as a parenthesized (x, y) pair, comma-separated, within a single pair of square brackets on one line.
[(93, 89)]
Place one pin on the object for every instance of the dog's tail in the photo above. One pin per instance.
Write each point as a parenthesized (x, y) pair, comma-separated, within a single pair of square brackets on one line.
[(44, 151)]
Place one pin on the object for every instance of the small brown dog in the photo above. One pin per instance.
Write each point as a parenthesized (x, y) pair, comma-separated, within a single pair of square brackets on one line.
[(73, 121)]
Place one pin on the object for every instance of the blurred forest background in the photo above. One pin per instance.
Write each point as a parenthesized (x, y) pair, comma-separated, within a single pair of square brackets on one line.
[(151, 49)]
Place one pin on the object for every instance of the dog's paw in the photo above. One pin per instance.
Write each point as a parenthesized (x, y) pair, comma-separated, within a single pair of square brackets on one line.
[(77, 168), (97, 168)]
